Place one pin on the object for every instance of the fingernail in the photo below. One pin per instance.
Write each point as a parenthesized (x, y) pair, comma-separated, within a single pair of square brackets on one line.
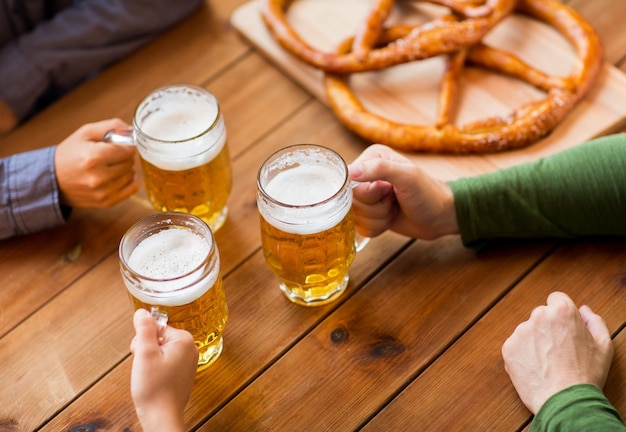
[(142, 312), (356, 170)]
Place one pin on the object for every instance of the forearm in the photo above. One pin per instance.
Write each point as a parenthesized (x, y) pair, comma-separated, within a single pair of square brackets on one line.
[(581, 407), (29, 196), (578, 192)]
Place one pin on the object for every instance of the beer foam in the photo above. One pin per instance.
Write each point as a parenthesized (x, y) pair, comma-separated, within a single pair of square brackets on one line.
[(172, 254), (191, 132), (303, 186), (179, 120)]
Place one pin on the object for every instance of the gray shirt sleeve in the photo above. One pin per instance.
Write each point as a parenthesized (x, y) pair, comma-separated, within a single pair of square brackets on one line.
[(78, 41)]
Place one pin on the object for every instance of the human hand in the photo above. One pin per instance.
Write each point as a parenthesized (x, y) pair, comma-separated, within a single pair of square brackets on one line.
[(163, 373), (91, 173), (8, 121), (559, 346), (395, 194)]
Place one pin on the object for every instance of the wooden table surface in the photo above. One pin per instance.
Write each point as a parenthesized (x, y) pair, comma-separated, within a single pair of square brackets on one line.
[(414, 343)]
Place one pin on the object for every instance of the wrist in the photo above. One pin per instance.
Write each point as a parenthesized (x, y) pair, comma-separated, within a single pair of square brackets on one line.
[(448, 222), (160, 419)]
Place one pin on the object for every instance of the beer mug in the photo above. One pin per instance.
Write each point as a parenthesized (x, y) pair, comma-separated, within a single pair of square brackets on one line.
[(304, 197), (181, 138), (170, 265)]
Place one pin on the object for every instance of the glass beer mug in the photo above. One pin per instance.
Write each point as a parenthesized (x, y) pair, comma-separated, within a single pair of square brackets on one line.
[(170, 265), (181, 138), (304, 197)]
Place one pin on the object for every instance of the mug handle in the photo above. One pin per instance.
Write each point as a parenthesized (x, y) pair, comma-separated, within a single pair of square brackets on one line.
[(359, 240), (160, 317), (123, 136)]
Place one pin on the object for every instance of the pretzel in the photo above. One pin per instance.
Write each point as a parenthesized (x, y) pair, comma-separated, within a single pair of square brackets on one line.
[(523, 126), (428, 40)]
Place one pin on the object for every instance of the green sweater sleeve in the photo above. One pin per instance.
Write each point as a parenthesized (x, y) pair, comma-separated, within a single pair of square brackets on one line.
[(582, 407), (578, 192)]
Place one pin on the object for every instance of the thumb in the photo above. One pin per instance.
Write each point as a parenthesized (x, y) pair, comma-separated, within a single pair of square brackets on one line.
[(145, 331)]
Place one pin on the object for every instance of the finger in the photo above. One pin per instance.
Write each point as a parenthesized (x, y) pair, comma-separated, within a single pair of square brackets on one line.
[(538, 314), (174, 335), (384, 208), (113, 154), (129, 189), (559, 297), (117, 190), (560, 304), (379, 151), (124, 168), (370, 227), (595, 323), (401, 175), (372, 193), (145, 331), (95, 131), (133, 344)]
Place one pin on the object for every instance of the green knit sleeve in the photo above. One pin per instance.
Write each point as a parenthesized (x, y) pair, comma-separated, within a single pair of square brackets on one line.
[(582, 407), (578, 192)]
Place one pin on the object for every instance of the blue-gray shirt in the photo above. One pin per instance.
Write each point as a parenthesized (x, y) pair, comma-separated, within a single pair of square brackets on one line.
[(45, 50), (29, 195), (48, 51)]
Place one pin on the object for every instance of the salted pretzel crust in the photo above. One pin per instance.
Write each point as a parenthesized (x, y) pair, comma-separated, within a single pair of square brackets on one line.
[(422, 42), (519, 128), (458, 37)]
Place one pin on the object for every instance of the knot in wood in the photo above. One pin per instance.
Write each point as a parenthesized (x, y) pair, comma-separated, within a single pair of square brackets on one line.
[(387, 348), (339, 335)]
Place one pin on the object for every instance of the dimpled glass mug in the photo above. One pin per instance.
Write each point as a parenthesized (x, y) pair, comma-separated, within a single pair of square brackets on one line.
[(304, 197), (181, 138), (170, 265)]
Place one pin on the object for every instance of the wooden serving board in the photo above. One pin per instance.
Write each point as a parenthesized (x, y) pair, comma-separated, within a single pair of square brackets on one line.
[(408, 93)]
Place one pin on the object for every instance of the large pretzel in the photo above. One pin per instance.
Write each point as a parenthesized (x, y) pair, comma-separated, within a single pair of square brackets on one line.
[(522, 127), (428, 40)]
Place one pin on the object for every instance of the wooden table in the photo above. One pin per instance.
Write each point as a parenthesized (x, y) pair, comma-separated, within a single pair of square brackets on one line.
[(414, 344)]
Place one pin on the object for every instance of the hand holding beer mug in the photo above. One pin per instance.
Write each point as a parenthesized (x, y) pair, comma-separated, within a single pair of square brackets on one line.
[(304, 198), (181, 138), (170, 265)]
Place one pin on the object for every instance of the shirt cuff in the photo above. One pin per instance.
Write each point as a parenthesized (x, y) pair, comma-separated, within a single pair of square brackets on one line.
[(33, 193), (582, 407)]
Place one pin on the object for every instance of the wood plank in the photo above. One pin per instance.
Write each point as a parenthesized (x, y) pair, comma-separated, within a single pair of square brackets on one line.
[(355, 360), (62, 349), (442, 397), (262, 325), (237, 240), (63, 254), (608, 23), (38, 267)]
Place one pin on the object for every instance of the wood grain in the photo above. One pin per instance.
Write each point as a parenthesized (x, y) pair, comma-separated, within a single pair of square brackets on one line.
[(415, 338), (439, 399)]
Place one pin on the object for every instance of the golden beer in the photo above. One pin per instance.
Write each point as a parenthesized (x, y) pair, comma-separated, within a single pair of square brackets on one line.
[(181, 139), (169, 261), (307, 232), (202, 191), (312, 267)]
